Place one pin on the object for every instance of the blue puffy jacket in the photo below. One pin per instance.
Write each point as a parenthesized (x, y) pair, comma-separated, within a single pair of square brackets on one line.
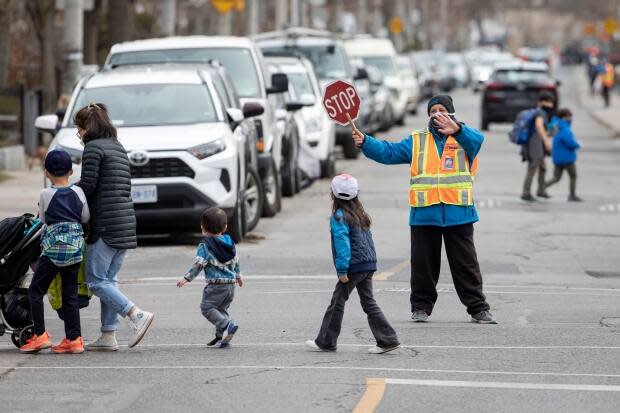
[(565, 145), (352, 247)]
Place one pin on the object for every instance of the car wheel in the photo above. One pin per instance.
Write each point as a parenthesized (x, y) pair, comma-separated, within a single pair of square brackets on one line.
[(388, 119), (328, 167), (349, 149), (401, 121), (290, 172), (272, 202), (252, 199), (236, 223), (484, 124)]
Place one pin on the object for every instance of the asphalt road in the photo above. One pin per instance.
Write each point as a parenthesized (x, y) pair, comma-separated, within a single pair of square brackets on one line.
[(551, 272)]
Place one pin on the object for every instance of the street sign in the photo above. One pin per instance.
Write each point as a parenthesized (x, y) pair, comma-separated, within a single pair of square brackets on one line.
[(610, 26), (396, 25), (341, 102), (224, 6)]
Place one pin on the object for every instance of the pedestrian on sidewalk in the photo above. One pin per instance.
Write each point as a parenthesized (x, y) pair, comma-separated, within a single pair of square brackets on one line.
[(217, 257), (537, 147), (355, 259), (106, 181), (443, 159), (564, 152), (606, 75), (63, 208)]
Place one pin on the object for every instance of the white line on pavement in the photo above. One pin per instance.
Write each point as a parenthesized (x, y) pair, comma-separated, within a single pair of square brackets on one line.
[(505, 385), (284, 367)]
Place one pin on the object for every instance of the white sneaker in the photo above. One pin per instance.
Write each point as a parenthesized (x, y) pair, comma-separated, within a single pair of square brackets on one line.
[(106, 342), (312, 346), (381, 350), (140, 321)]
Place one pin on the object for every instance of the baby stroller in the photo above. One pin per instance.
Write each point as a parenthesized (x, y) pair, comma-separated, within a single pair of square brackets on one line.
[(19, 247)]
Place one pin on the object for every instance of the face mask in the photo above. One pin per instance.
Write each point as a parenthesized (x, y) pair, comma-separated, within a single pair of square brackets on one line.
[(547, 110)]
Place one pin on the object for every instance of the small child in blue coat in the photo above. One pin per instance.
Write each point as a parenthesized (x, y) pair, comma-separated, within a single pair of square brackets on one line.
[(564, 152), (356, 262)]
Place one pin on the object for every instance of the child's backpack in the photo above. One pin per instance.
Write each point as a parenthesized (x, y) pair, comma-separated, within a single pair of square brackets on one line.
[(523, 127)]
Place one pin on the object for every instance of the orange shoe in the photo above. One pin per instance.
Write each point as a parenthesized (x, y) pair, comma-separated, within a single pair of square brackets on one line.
[(36, 343), (66, 346)]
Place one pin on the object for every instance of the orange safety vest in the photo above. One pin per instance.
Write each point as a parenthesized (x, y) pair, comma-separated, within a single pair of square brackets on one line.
[(448, 180), (608, 77)]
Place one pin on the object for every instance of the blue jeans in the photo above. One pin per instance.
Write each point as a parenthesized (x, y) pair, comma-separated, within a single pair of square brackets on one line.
[(102, 266)]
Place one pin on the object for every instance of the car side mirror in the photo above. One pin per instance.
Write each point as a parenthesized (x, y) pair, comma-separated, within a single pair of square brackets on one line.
[(46, 123), (307, 99), (293, 106), (279, 83), (252, 109), (235, 115), (361, 74)]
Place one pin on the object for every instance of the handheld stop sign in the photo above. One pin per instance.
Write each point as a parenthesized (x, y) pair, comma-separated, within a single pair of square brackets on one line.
[(341, 102)]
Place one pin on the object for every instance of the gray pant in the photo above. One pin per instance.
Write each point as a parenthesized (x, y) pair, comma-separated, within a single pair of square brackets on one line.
[(572, 174), (533, 167), (216, 299), (332, 321)]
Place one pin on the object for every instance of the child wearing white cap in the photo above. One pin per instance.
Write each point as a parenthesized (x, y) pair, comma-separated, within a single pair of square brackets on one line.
[(356, 261)]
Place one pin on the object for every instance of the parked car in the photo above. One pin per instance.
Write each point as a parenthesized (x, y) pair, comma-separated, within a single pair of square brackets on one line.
[(428, 78), (314, 125), (367, 115), (535, 54), (483, 65), (381, 54), (512, 88), (245, 65), (187, 145), (331, 63), (409, 78), (457, 65), (381, 99)]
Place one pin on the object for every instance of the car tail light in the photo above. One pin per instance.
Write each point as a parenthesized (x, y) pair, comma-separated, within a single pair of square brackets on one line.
[(260, 141), (495, 86), (547, 86)]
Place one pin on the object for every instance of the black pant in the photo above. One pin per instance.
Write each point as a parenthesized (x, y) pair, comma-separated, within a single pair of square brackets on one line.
[(43, 276), (539, 166), (426, 264), (558, 170), (605, 92), (332, 321)]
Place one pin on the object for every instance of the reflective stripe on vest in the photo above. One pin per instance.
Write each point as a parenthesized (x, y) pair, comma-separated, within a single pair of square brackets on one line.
[(437, 180)]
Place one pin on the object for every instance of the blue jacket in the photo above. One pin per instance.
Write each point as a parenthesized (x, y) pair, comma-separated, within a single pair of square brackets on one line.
[(353, 250), (217, 256), (443, 215), (565, 145)]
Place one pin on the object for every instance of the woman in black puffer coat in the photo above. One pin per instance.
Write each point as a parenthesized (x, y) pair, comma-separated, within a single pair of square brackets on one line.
[(106, 181)]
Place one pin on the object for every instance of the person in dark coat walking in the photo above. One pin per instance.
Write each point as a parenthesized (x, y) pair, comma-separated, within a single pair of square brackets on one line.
[(106, 181)]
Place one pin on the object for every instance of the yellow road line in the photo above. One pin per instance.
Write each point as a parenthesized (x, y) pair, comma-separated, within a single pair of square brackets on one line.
[(375, 388), (385, 275)]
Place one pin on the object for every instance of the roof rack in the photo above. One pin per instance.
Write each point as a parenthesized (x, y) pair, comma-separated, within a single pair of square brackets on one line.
[(295, 32)]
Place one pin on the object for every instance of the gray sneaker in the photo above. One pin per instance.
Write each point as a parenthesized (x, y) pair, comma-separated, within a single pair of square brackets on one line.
[(419, 316), (483, 317), (140, 323), (106, 342)]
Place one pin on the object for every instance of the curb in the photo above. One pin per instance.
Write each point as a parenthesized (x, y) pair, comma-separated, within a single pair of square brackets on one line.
[(601, 119)]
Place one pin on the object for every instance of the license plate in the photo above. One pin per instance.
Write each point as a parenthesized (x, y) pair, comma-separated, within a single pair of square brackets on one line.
[(144, 194)]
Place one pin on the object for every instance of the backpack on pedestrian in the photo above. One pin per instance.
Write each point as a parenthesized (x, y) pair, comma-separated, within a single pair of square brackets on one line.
[(523, 127)]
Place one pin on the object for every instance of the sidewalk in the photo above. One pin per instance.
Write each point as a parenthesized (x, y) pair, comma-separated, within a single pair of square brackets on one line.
[(593, 104), (19, 193)]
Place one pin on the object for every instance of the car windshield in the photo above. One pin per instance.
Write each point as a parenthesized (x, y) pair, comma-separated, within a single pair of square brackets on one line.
[(237, 61), (384, 63), (152, 104), (300, 83), (329, 61), (521, 76)]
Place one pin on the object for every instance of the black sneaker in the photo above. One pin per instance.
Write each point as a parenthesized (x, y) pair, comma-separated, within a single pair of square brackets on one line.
[(543, 195), (574, 198), (483, 317), (528, 198), (419, 316), (214, 341)]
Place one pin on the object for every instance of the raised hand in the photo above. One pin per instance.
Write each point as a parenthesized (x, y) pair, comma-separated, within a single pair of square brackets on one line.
[(356, 134), (445, 124)]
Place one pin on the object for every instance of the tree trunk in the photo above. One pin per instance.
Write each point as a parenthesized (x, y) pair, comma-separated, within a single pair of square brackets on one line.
[(6, 10), (48, 61), (120, 21), (91, 34)]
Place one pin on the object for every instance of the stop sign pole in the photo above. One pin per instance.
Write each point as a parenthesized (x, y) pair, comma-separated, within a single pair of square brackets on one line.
[(341, 102)]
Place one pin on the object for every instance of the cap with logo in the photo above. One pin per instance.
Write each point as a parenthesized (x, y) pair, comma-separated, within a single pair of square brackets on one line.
[(345, 187), (58, 162)]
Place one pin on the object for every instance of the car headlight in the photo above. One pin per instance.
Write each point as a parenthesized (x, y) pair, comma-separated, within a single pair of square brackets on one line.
[(75, 154), (205, 150)]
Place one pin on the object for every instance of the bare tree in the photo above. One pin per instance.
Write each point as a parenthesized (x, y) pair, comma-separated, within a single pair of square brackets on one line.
[(120, 21), (91, 33), (42, 13), (6, 9)]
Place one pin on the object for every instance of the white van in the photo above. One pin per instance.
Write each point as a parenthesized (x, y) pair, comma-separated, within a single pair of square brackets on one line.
[(381, 54)]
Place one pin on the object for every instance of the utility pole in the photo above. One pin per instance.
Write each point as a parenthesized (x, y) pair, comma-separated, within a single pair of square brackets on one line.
[(254, 16), (362, 16), (225, 24), (73, 36), (281, 11), (295, 13), (167, 17)]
